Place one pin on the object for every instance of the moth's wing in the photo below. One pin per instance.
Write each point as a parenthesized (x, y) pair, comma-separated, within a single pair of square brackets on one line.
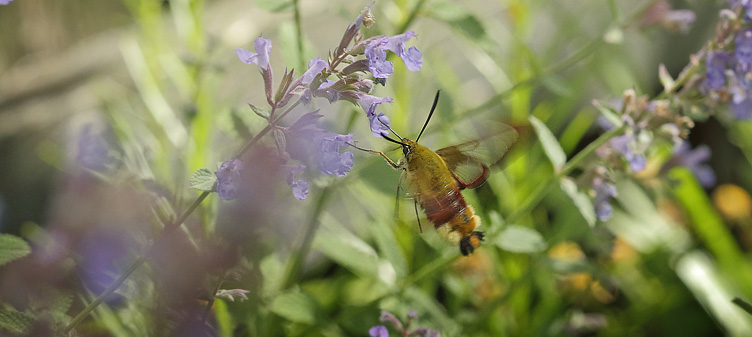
[(470, 161)]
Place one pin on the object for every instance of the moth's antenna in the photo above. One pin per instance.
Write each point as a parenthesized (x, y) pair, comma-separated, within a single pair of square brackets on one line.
[(433, 107)]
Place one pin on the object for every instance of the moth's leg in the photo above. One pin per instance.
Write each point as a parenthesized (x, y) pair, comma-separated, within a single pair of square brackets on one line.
[(417, 216), (392, 163)]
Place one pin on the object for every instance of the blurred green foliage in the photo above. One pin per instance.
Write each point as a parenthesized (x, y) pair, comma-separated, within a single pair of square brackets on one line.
[(669, 262)]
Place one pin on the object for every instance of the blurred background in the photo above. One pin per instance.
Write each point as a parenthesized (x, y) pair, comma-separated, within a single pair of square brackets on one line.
[(108, 107)]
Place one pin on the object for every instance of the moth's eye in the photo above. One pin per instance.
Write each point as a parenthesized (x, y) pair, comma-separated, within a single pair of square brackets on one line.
[(405, 150)]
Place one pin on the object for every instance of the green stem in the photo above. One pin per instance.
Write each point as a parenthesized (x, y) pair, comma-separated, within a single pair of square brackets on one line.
[(411, 17), (542, 190), (296, 261), (107, 292), (299, 32), (209, 305)]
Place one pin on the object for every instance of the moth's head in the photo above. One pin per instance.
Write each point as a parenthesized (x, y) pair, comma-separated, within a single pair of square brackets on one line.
[(407, 146)]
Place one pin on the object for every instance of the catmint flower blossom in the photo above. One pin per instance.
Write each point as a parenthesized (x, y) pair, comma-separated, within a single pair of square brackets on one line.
[(299, 187), (624, 144), (5, 2), (308, 143), (747, 7), (679, 20), (92, 151), (604, 191), (743, 49), (329, 160), (743, 109), (694, 161), (376, 48), (260, 57), (378, 331), (228, 179), (315, 66), (378, 121), (715, 69), (402, 330), (674, 20), (229, 294)]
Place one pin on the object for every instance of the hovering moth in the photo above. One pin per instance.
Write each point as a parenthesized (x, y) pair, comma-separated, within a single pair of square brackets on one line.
[(435, 179)]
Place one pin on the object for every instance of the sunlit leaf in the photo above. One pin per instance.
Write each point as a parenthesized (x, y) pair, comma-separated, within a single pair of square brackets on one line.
[(14, 321), (12, 248), (608, 113), (518, 239), (296, 307), (580, 199), (550, 145), (203, 180)]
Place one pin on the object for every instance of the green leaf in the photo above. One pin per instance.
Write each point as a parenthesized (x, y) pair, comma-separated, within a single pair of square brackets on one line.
[(12, 248), (14, 321), (225, 321), (339, 244), (296, 307), (607, 112), (666, 79), (518, 239), (261, 112), (203, 180), (458, 17), (550, 145), (272, 272), (581, 200)]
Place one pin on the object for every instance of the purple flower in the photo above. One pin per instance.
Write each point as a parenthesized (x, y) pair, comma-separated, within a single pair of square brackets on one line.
[(5, 2), (368, 102), (743, 50), (229, 294), (228, 179), (375, 52), (329, 160), (694, 161), (260, 57), (715, 66), (378, 331), (299, 187), (742, 109), (388, 317), (326, 90), (413, 58), (92, 151), (379, 123), (747, 7), (307, 142), (424, 332), (376, 55), (604, 191), (624, 144), (315, 66), (402, 330)]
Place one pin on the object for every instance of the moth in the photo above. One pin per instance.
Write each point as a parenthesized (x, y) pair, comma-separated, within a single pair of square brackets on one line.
[(435, 179)]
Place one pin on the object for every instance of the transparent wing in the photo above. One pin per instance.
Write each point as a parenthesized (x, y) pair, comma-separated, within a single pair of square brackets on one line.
[(469, 161)]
